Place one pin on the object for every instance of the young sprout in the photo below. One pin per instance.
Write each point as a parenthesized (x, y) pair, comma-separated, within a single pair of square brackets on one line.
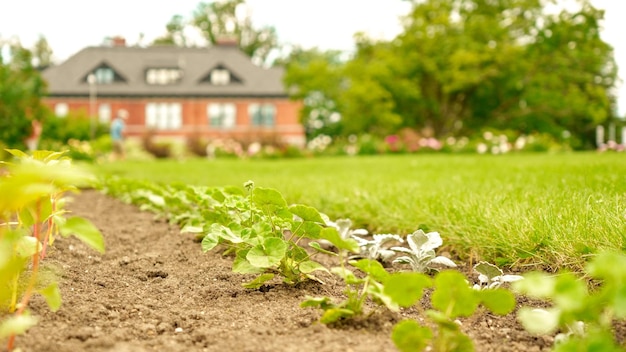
[(375, 248), (490, 276), (421, 252)]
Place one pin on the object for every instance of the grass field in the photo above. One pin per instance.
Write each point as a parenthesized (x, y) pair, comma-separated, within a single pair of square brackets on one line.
[(525, 209)]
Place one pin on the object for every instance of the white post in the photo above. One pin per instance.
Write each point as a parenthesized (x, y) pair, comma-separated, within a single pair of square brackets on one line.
[(623, 140), (612, 132), (599, 136), (91, 79)]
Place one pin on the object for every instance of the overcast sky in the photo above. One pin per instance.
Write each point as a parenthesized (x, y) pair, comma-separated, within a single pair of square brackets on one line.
[(71, 25)]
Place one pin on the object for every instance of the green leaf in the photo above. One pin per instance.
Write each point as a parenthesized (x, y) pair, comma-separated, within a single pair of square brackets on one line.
[(259, 281), (347, 275), (570, 293), (406, 288), (487, 269), (410, 336), (191, 229), (16, 325), (225, 233), (318, 248), (309, 230), (371, 268), (242, 265), (536, 284), (85, 231), (317, 302), (306, 213), (539, 321), (309, 266), (453, 295), (499, 301), (332, 235), (333, 314), (267, 254), (27, 246), (442, 321), (18, 153), (268, 198), (209, 242), (52, 294)]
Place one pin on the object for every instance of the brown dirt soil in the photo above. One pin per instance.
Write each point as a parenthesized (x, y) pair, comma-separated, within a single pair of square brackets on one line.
[(154, 290)]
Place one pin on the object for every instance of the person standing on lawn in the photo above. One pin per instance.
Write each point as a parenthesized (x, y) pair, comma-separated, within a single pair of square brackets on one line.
[(118, 127), (32, 141)]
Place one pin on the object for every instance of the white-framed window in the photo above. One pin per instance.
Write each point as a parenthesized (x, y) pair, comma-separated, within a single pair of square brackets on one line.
[(163, 76), (222, 115), (263, 115), (104, 75), (104, 113), (164, 116), (61, 109), (220, 76)]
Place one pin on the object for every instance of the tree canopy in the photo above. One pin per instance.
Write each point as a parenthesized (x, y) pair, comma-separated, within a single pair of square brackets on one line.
[(21, 91), (461, 65), (216, 20)]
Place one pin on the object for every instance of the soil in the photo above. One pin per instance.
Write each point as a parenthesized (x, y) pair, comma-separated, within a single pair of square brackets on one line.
[(155, 290)]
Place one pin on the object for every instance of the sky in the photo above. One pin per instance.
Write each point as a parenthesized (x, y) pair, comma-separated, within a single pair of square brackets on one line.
[(71, 25)]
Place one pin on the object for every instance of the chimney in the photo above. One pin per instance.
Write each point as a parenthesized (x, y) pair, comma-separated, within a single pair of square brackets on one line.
[(118, 41), (226, 40)]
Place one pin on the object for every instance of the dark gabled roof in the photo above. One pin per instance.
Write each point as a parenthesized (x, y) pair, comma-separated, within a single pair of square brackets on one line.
[(130, 64)]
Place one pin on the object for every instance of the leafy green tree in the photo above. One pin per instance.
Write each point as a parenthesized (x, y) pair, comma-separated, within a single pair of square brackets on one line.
[(21, 90), (462, 65), (316, 77), (230, 18), (42, 53), (175, 33)]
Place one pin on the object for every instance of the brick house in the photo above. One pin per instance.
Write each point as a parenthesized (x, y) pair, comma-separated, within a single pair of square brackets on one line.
[(177, 92)]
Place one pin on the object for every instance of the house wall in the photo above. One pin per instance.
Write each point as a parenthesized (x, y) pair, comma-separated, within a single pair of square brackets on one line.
[(195, 118)]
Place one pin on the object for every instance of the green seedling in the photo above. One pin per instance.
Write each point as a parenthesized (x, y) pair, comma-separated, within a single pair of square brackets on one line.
[(267, 239), (31, 215), (421, 252), (389, 290), (490, 276), (376, 248), (584, 318), (451, 299)]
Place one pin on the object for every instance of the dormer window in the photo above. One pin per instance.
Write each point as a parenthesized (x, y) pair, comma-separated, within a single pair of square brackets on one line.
[(220, 77), (104, 75), (163, 76)]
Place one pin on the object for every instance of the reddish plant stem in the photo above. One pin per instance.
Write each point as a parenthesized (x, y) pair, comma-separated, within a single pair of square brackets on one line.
[(50, 228), (33, 278)]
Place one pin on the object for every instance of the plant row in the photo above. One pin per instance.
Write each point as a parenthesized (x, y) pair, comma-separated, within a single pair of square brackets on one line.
[(268, 238), (32, 215)]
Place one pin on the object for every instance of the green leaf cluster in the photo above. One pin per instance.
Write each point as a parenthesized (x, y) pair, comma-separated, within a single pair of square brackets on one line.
[(31, 216), (460, 66), (452, 298), (259, 229), (585, 317)]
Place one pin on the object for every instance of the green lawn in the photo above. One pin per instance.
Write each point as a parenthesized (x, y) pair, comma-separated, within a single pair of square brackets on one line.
[(516, 209)]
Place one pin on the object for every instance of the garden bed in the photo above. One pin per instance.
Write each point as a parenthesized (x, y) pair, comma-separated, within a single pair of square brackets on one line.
[(155, 290)]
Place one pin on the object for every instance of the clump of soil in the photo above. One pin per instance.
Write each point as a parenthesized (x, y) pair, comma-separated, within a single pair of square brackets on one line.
[(154, 290)]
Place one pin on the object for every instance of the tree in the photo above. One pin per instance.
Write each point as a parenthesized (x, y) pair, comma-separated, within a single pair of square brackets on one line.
[(217, 20), (21, 90), (175, 33), (315, 77), (230, 18), (42, 53), (462, 65)]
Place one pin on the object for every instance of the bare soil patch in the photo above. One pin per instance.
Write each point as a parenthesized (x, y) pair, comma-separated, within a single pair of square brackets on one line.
[(154, 290)]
